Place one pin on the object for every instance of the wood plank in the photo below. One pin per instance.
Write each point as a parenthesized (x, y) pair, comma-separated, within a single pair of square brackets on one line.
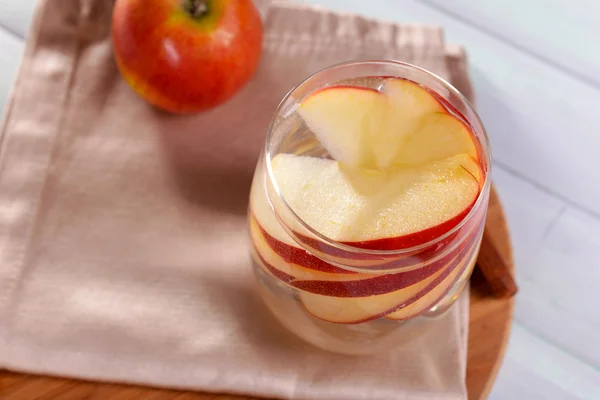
[(30, 387), (530, 213), (561, 296), (560, 31), (536, 370), (33, 389), (541, 121), (16, 15), (10, 57), (556, 251)]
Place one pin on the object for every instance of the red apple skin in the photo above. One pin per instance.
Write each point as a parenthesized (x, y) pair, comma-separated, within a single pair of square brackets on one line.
[(454, 111), (382, 284), (299, 256), (186, 64), (426, 290), (462, 264), (368, 286), (296, 255)]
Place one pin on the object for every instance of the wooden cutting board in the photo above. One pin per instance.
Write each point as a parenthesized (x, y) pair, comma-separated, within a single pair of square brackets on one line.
[(489, 329)]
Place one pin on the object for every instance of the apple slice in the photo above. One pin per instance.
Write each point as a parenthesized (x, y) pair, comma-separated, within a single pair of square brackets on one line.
[(473, 167), (343, 118), (436, 292), (361, 285), (345, 310), (336, 284), (409, 103), (403, 124), (385, 210), (274, 233), (262, 210), (284, 245), (439, 136), (372, 285), (353, 310), (286, 264)]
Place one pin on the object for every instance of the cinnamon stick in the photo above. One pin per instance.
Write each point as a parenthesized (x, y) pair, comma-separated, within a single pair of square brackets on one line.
[(494, 269)]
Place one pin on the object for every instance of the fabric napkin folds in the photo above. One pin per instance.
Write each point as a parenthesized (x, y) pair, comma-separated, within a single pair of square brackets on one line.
[(124, 252)]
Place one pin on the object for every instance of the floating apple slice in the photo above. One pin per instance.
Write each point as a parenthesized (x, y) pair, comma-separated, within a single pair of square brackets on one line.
[(440, 135), (403, 124), (387, 210), (274, 233), (408, 104), (261, 209), (343, 119), (283, 244)]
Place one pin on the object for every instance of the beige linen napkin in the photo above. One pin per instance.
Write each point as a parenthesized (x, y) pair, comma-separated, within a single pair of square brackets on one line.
[(123, 244)]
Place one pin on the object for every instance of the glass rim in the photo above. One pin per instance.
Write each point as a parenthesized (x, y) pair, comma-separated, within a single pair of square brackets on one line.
[(267, 157)]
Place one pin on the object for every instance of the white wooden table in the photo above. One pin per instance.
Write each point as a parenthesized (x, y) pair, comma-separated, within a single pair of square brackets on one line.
[(535, 65)]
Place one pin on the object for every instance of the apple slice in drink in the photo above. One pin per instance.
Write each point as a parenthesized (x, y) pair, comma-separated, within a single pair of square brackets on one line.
[(335, 284), (408, 105), (279, 240), (353, 310), (380, 210), (284, 245), (276, 236), (286, 269), (344, 118), (436, 292), (439, 136), (402, 124), (349, 134)]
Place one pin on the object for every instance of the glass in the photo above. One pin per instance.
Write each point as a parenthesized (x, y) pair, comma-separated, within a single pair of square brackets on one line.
[(380, 323)]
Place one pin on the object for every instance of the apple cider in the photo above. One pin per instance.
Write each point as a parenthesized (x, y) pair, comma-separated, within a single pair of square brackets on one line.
[(368, 204)]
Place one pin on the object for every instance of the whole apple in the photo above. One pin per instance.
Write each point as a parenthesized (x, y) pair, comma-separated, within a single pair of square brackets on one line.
[(186, 56)]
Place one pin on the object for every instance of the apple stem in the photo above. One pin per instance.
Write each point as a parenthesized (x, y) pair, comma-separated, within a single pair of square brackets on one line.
[(197, 8)]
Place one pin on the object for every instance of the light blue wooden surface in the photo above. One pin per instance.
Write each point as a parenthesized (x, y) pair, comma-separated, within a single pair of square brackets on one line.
[(560, 32), (11, 48), (535, 65)]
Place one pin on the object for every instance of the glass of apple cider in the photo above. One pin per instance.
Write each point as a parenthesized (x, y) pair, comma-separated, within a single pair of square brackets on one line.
[(368, 204)]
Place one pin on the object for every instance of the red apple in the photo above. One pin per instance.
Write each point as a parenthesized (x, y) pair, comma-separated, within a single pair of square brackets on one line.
[(186, 55)]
